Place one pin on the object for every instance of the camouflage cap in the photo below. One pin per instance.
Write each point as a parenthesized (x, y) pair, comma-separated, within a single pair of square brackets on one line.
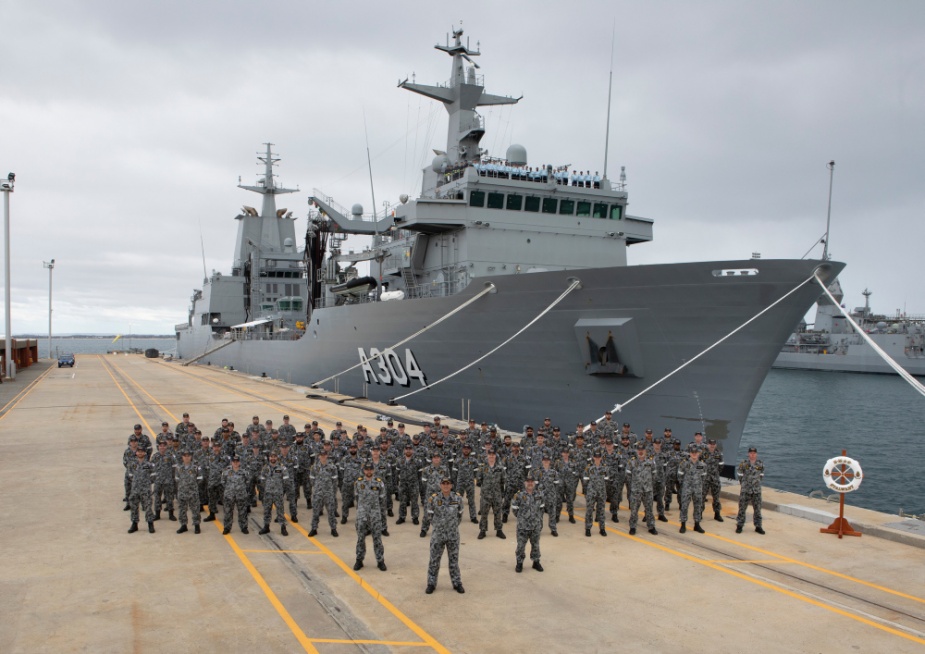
[(368, 466), (186, 453), (753, 449), (137, 427), (236, 458), (712, 441)]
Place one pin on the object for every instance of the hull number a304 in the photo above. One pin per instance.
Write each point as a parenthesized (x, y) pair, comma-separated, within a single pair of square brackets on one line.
[(386, 367)]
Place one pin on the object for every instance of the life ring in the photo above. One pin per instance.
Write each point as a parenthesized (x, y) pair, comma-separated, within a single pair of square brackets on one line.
[(842, 474)]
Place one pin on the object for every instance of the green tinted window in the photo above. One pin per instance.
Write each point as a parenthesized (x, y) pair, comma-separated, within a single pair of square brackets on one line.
[(616, 212), (584, 208), (496, 200), (515, 202), (550, 205), (567, 207), (532, 204), (477, 199), (600, 210)]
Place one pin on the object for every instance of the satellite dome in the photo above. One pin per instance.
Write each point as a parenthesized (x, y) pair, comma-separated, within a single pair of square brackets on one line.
[(441, 162), (357, 209), (288, 242), (403, 198), (516, 155)]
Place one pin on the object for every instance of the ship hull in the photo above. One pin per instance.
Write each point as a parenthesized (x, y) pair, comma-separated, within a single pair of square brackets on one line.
[(856, 357), (662, 316)]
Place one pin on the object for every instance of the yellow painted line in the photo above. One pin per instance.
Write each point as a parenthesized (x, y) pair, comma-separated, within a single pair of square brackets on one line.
[(391, 643), (724, 561), (125, 395), (283, 551), (19, 397), (772, 586), (142, 389), (274, 600), (426, 637)]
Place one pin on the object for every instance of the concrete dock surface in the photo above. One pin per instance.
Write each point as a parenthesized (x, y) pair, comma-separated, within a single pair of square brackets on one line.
[(73, 580)]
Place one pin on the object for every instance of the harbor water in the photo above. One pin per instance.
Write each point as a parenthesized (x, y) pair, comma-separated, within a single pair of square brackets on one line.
[(799, 420)]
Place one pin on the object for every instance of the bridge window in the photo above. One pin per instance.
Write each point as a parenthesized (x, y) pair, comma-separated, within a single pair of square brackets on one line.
[(584, 208), (477, 199), (532, 204), (600, 210), (567, 207), (514, 202), (496, 200), (550, 205), (616, 212)]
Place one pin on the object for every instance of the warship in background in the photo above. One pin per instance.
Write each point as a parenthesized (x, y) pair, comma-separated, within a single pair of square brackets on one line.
[(833, 345), (549, 318)]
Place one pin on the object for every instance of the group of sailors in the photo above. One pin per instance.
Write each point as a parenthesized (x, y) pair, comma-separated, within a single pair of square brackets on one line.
[(432, 475), (503, 170)]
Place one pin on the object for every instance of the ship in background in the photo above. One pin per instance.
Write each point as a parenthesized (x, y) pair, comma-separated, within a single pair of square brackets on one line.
[(538, 245), (832, 345)]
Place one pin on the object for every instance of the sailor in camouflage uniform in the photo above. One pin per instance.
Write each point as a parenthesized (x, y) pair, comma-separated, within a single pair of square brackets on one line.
[(466, 466), (658, 483), (142, 475), (547, 481), (750, 472), (515, 471), (188, 476), (431, 476), (290, 492), (324, 485), (641, 473), (691, 474), (370, 493), (408, 473), (201, 456), (144, 442), (286, 431), (273, 476), (491, 479), (596, 478), (128, 462), (713, 458), (528, 506), (444, 511), (164, 488), (674, 456), (569, 473), (234, 481), (216, 464), (350, 469)]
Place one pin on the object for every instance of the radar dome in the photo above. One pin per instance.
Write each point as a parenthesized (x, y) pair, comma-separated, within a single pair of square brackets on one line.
[(287, 242), (441, 162), (516, 155), (403, 198), (357, 209)]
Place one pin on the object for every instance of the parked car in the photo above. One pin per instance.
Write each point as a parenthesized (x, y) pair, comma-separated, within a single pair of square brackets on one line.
[(66, 360)]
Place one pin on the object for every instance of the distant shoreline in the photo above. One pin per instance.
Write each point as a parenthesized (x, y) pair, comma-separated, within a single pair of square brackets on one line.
[(99, 336)]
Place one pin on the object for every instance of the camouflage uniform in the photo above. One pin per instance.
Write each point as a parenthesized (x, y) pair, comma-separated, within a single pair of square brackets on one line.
[(712, 484), (217, 462), (303, 457), (431, 476), (672, 487), (164, 487), (491, 479), (658, 481), (290, 491), (528, 509), (691, 474), (201, 460), (286, 432), (370, 500), (750, 475), (128, 459), (445, 512), (408, 473), (596, 478), (187, 478), (253, 463), (235, 486), (515, 473), (350, 469), (324, 485), (466, 466), (274, 477), (569, 472), (641, 473), (547, 484), (615, 462), (142, 475)]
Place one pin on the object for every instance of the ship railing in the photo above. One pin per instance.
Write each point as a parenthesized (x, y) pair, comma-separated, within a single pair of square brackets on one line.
[(475, 79), (425, 290), (260, 335)]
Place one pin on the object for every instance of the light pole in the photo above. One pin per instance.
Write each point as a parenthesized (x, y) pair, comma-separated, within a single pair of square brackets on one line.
[(7, 188), (51, 266)]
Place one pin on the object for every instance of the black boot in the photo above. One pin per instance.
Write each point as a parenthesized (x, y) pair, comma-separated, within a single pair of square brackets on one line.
[(282, 530), (295, 519), (150, 527), (571, 518), (698, 528), (209, 518), (171, 515), (683, 528), (537, 566), (197, 529), (632, 531), (519, 567), (127, 507), (400, 521), (717, 516), (603, 532), (588, 533), (500, 534), (385, 532), (653, 531), (313, 533), (358, 565), (226, 531), (759, 530), (481, 534), (335, 534), (662, 518), (381, 566), (245, 530), (343, 519), (133, 528), (265, 530), (415, 521), (157, 514), (738, 529), (182, 530)]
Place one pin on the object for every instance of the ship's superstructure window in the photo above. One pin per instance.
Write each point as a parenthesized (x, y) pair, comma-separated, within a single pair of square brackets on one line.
[(600, 210), (616, 212), (496, 200), (584, 208), (477, 199), (532, 203), (514, 202), (567, 207), (550, 205)]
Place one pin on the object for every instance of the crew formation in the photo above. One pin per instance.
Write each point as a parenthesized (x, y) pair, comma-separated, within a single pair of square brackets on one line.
[(433, 474)]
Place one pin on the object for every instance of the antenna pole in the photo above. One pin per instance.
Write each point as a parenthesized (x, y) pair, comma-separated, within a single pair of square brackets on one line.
[(613, 39), (828, 216), (202, 245), (372, 191)]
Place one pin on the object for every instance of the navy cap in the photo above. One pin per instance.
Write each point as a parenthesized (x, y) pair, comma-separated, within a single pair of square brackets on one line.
[(753, 449)]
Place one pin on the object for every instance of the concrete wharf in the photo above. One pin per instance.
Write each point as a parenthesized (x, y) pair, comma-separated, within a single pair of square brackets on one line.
[(72, 579)]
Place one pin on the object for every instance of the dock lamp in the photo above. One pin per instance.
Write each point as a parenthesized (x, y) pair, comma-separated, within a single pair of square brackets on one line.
[(6, 188), (51, 266)]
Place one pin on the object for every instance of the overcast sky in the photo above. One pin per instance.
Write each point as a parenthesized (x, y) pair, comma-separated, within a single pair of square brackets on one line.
[(128, 124)]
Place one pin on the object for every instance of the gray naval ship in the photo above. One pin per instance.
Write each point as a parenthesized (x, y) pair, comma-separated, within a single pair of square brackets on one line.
[(832, 345), (549, 318)]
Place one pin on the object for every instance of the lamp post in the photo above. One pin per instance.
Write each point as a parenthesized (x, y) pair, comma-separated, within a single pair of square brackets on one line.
[(7, 188), (51, 266)]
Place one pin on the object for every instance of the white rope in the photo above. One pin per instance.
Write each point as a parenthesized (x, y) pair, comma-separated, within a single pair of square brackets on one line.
[(575, 284), (619, 407), (902, 372), (488, 289)]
